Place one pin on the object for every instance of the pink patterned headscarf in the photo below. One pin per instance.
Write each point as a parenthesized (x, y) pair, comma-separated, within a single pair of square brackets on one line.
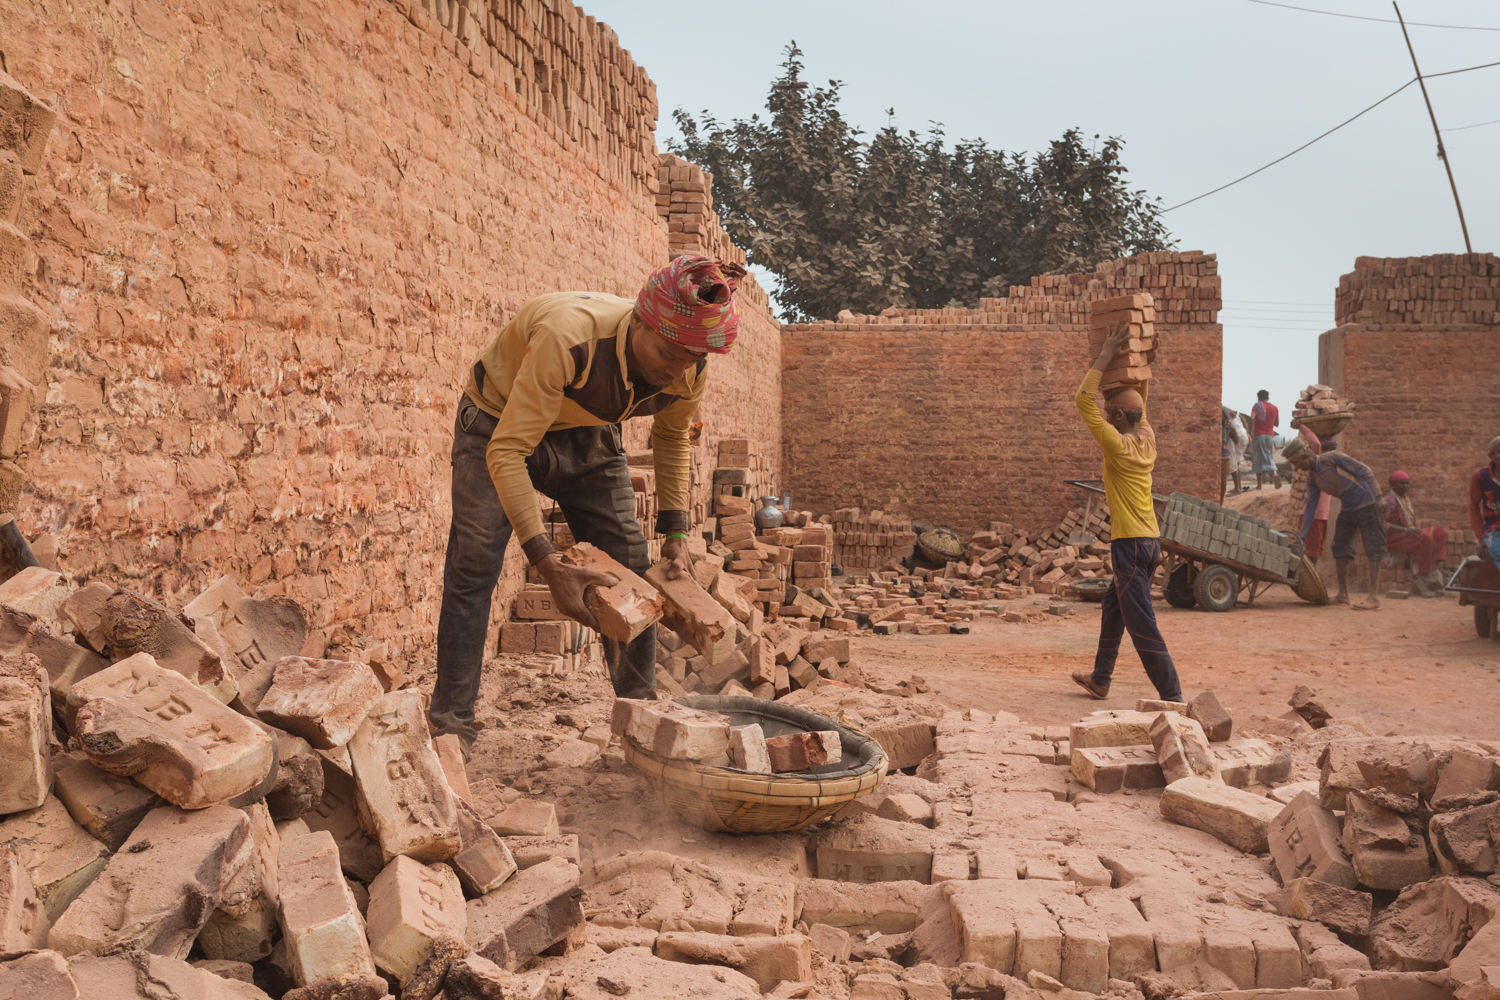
[(691, 302)]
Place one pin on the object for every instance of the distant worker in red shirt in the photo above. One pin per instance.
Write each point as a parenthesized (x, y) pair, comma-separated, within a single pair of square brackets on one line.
[(1404, 535), (1265, 418), (1484, 503)]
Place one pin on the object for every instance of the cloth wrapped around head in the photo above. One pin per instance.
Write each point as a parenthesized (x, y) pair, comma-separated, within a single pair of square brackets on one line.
[(1399, 477), (1294, 447), (691, 302)]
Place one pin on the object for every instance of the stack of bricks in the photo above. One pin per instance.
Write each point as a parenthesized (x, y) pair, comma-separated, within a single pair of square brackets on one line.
[(685, 202), (768, 566), (1134, 317), (812, 553), (869, 540), (643, 481), (1317, 400), (1456, 289), (1184, 287), (740, 472), (567, 71), (1205, 526)]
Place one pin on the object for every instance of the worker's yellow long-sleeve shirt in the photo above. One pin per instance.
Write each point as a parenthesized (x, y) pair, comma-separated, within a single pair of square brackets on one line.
[(561, 363), (1128, 462)]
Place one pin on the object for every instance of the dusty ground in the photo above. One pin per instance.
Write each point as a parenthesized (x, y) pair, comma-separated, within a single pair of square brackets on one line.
[(1413, 667)]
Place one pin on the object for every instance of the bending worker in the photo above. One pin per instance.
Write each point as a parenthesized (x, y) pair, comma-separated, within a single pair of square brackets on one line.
[(541, 411), (1336, 474), (1129, 446)]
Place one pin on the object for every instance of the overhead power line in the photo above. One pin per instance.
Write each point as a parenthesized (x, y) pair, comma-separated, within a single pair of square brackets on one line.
[(1294, 152), (1382, 20), (1476, 125), (1387, 97), (1466, 69), (1269, 302)]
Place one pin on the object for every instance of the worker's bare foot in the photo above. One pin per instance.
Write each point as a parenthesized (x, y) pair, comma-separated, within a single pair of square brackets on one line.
[(1339, 599), (1368, 604), (1086, 681)]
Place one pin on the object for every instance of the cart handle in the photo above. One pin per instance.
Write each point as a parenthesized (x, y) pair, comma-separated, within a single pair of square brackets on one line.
[(1453, 581)]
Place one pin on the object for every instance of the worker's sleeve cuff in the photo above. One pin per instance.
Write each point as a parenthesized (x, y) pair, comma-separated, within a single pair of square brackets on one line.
[(668, 521), (537, 548)]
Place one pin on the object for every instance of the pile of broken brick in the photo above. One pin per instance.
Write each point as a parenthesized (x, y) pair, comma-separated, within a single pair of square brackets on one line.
[(1389, 857), (1007, 867), (187, 787)]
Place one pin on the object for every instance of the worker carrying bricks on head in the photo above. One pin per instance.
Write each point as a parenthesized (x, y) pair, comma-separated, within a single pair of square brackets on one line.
[(1404, 535), (541, 411), (1360, 512), (1129, 446)]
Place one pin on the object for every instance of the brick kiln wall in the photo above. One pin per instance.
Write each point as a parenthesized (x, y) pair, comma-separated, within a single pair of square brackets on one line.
[(1414, 350), (959, 416), (271, 241), (1425, 401)]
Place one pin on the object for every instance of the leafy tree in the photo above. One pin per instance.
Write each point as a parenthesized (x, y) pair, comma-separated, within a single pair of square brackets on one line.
[(901, 219)]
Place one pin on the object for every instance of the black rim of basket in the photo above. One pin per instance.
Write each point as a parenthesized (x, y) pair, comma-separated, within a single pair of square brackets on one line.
[(850, 741)]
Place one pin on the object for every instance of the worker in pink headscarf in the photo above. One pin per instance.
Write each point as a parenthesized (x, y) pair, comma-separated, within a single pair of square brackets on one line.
[(541, 411)]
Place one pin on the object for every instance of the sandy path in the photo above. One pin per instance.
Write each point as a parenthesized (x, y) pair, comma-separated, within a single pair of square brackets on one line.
[(1413, 667)]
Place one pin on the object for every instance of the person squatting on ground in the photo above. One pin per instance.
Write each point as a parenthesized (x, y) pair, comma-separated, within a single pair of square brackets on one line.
[(1129, 446), (1353, 483), (1403, 534), (1484, 504), (541, 411), (1265, 418)]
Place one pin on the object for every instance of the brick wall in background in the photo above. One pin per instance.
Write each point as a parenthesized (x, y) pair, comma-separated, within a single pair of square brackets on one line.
[(1414, 349), (270, 241), (1428, 402), (961, 416), (961, 427)]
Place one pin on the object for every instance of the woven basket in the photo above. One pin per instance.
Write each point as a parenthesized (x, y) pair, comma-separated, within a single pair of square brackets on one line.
[(940, 545), (1324, 424), (728, 800)]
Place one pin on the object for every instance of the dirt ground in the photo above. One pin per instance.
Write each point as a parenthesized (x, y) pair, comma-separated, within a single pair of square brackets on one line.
[(1412, 667)]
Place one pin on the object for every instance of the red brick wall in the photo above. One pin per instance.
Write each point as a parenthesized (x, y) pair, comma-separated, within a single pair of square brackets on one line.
[(1427, 401), (961, 425), (270, 242)]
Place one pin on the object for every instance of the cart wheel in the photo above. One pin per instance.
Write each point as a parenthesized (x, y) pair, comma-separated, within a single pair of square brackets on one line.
[(1482, 621), (1216, 588), (1179, 589)]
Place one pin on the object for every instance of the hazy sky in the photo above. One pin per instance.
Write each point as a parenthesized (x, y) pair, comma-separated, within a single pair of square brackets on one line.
[(1202, 91)]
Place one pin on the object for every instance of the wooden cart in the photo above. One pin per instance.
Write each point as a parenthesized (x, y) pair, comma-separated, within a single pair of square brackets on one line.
[(1477, 584), (1214, 583)]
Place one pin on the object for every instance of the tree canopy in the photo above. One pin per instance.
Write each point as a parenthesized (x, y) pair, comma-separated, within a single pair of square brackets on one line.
[(903, 219)]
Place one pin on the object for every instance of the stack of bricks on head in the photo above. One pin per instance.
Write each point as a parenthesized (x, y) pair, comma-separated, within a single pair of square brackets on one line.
[(187, 786), (1134, 318)]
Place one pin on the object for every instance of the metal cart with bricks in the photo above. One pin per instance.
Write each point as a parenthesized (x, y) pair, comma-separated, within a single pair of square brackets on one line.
[(1211, 554)]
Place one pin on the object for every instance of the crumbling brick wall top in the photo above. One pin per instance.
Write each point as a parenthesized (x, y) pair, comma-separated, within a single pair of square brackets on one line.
[(1450, 289), (1184, 286)]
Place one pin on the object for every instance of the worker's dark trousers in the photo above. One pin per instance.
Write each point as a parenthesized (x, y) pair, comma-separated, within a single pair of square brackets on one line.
[(1127, 606), (584, 470)]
